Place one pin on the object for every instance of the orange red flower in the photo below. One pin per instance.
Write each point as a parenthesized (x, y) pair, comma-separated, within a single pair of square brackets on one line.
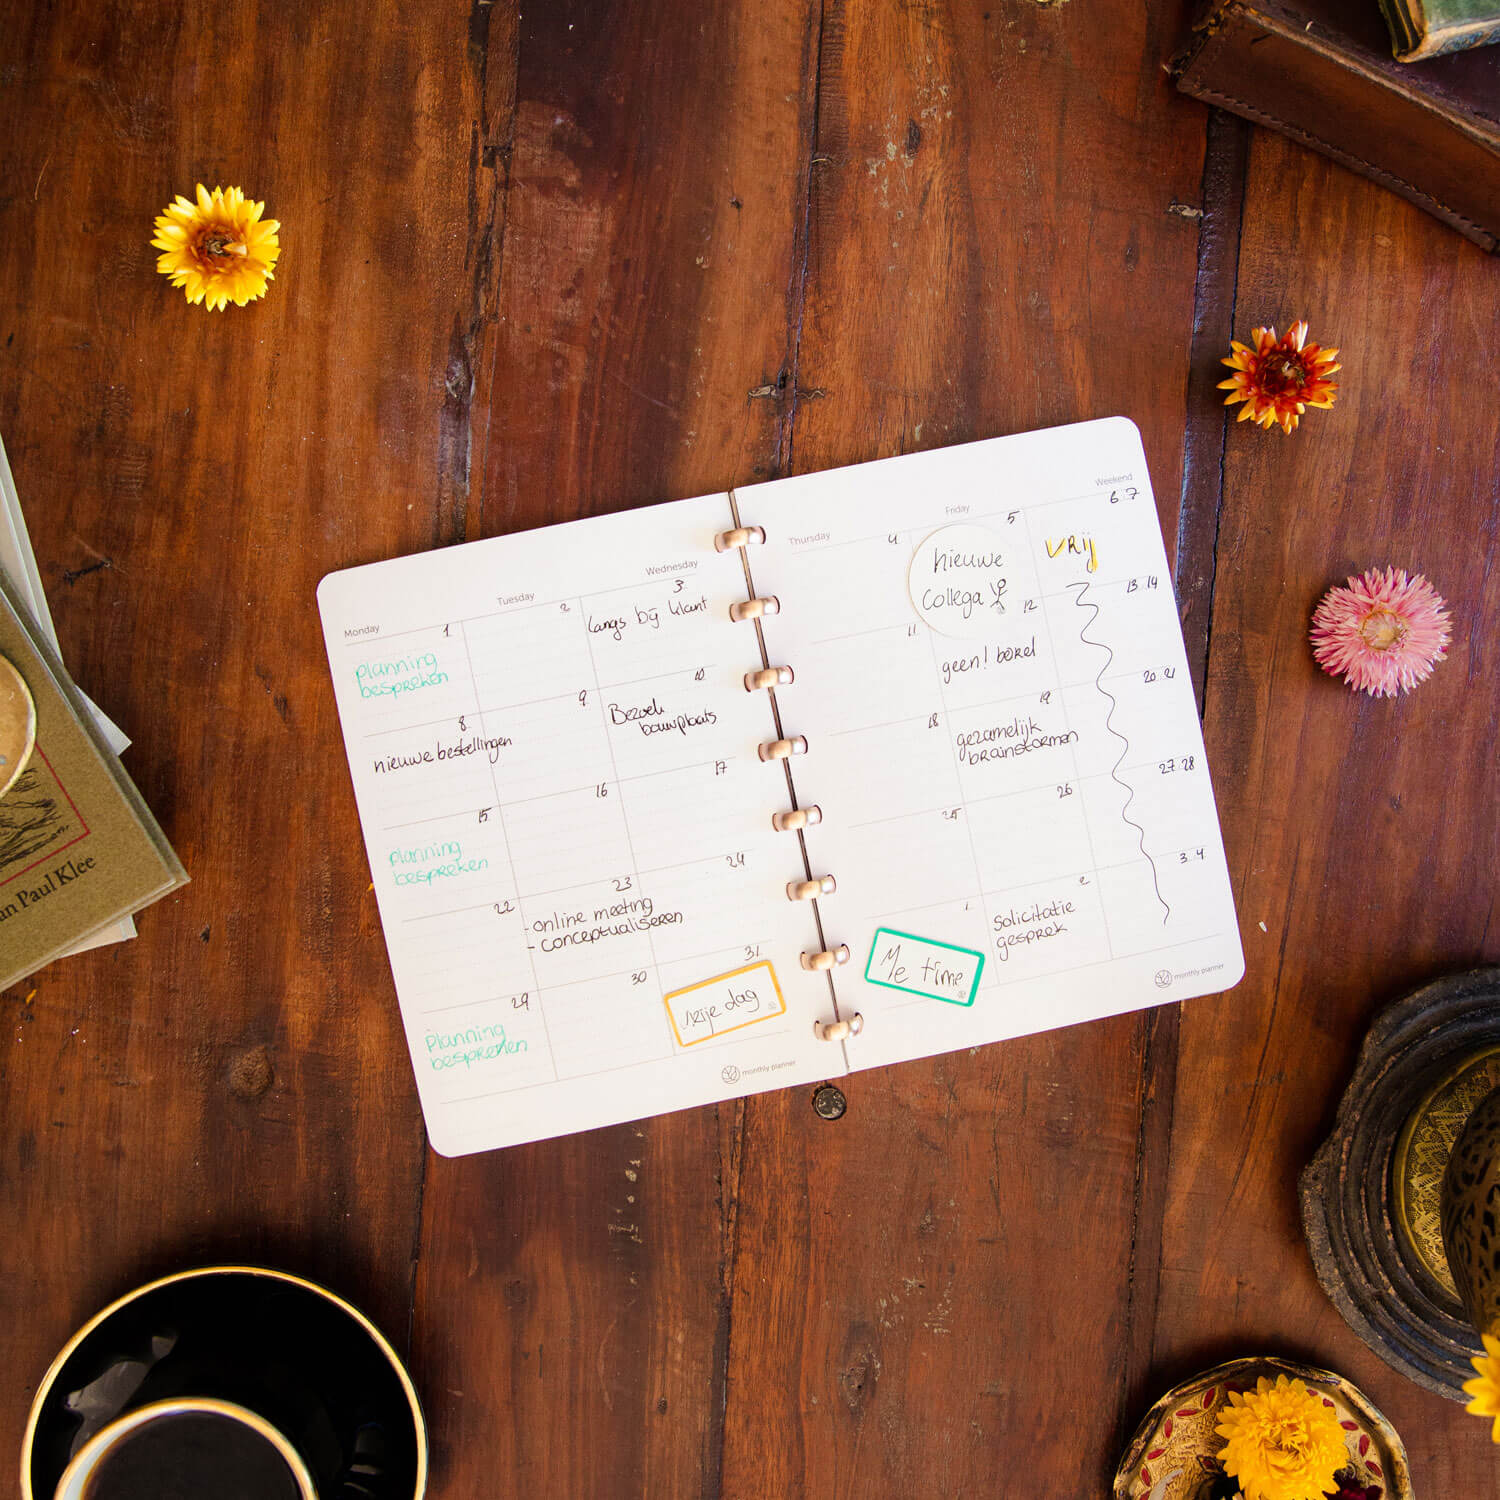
[(1280, 377)]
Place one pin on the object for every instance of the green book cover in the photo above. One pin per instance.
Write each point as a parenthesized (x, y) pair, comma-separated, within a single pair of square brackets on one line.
[(78, 847), (1429, 28)]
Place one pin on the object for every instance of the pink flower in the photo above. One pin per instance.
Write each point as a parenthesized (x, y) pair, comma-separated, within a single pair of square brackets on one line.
[(1385, 632)]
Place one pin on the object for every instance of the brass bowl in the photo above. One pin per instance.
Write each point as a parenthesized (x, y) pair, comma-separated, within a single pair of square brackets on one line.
[(1173, 1455)]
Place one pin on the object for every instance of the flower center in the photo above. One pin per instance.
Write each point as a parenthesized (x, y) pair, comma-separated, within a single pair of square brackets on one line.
[(1281, 371), (1380, 630), (1288, 1436), (217, 246)]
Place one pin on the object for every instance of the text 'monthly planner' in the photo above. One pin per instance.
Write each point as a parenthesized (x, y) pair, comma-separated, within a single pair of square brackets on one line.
[(756, 789)]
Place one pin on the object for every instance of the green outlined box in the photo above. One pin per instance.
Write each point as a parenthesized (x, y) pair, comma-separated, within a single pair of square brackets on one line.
[(923, 966)]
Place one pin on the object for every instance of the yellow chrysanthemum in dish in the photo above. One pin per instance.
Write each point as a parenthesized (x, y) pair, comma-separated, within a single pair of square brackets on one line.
[(1281, 1441), (1486, 1388), (218, 250)]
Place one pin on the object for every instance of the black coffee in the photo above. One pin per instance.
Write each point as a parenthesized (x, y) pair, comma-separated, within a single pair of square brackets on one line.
[(192, 1456)]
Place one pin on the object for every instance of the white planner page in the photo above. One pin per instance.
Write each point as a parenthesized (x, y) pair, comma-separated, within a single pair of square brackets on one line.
[(569, 827), (1002, 738)]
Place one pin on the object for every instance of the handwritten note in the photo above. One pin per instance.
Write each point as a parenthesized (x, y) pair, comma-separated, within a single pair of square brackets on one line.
[(725, 1003), (959, 581), (919, 966)]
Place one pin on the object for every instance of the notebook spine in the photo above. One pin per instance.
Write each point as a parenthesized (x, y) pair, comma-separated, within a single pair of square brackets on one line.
[(767, 678)]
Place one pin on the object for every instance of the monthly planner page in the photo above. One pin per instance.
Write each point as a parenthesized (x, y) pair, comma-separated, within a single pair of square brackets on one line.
[(569, 826), (1002, 739)]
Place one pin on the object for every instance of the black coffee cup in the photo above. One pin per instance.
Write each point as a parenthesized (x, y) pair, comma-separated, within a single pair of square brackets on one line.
[(292, 1379)]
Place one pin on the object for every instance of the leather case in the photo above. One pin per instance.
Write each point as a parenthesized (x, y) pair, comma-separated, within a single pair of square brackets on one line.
[(1321, 71)]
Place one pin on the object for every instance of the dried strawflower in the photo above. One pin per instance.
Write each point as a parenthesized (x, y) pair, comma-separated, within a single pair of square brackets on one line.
[(1280, 378), (1281, 1441), (219, 249), (1485, 1388), (1385, 632)]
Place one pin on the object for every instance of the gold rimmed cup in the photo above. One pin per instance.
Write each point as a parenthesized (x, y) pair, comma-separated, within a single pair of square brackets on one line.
[(128, 1456), (204, 1308)]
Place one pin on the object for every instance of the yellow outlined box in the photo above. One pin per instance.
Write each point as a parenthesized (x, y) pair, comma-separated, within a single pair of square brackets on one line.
[(731, 1002)]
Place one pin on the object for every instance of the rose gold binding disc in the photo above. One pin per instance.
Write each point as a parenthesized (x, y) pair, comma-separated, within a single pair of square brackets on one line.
[(17, 725), (768, 677), (810, 890), (781, 749), (829, 958), (797, 817), (740, 536), (838, 1031), (753, 609)]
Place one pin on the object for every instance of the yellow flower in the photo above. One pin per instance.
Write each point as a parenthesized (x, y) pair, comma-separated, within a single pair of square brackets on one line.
[(219, 249), (1281, 1441), (1486, 1388)]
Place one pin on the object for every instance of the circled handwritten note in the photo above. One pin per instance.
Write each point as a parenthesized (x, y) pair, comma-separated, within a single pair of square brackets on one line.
[(958, 580)]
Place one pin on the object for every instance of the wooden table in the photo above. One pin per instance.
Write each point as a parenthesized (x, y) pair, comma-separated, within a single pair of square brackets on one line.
[(545, 265)]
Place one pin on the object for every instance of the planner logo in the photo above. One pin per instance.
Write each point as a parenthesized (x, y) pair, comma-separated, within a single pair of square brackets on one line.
[(1165, 977), (730, 1074)]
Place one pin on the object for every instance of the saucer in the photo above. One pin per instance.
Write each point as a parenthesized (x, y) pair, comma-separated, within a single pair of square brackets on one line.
[(303, 1359)]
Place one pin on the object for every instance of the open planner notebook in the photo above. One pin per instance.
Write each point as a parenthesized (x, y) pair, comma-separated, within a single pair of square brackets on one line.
[(732, 793)]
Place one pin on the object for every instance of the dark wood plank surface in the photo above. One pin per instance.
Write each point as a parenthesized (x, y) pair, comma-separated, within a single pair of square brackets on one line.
[(543, 262), (1364, 834), (652, 224), (890, 1270), (231, 1085)]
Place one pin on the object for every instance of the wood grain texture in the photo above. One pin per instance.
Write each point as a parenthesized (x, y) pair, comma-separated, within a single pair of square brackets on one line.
[(898, 1274), (1363, 835), (1207, 418), (231, 1085), (655, 191), (649, 268), (548, 261)]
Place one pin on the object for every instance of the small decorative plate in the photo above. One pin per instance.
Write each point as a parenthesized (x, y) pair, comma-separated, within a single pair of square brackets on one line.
[(1173, 1455), (17, 725)]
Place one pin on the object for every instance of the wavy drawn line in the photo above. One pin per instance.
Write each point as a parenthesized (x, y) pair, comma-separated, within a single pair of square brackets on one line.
[(1082, 603)]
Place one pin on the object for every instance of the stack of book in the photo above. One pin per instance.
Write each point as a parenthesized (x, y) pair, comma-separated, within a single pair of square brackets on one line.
[(80, 852)]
